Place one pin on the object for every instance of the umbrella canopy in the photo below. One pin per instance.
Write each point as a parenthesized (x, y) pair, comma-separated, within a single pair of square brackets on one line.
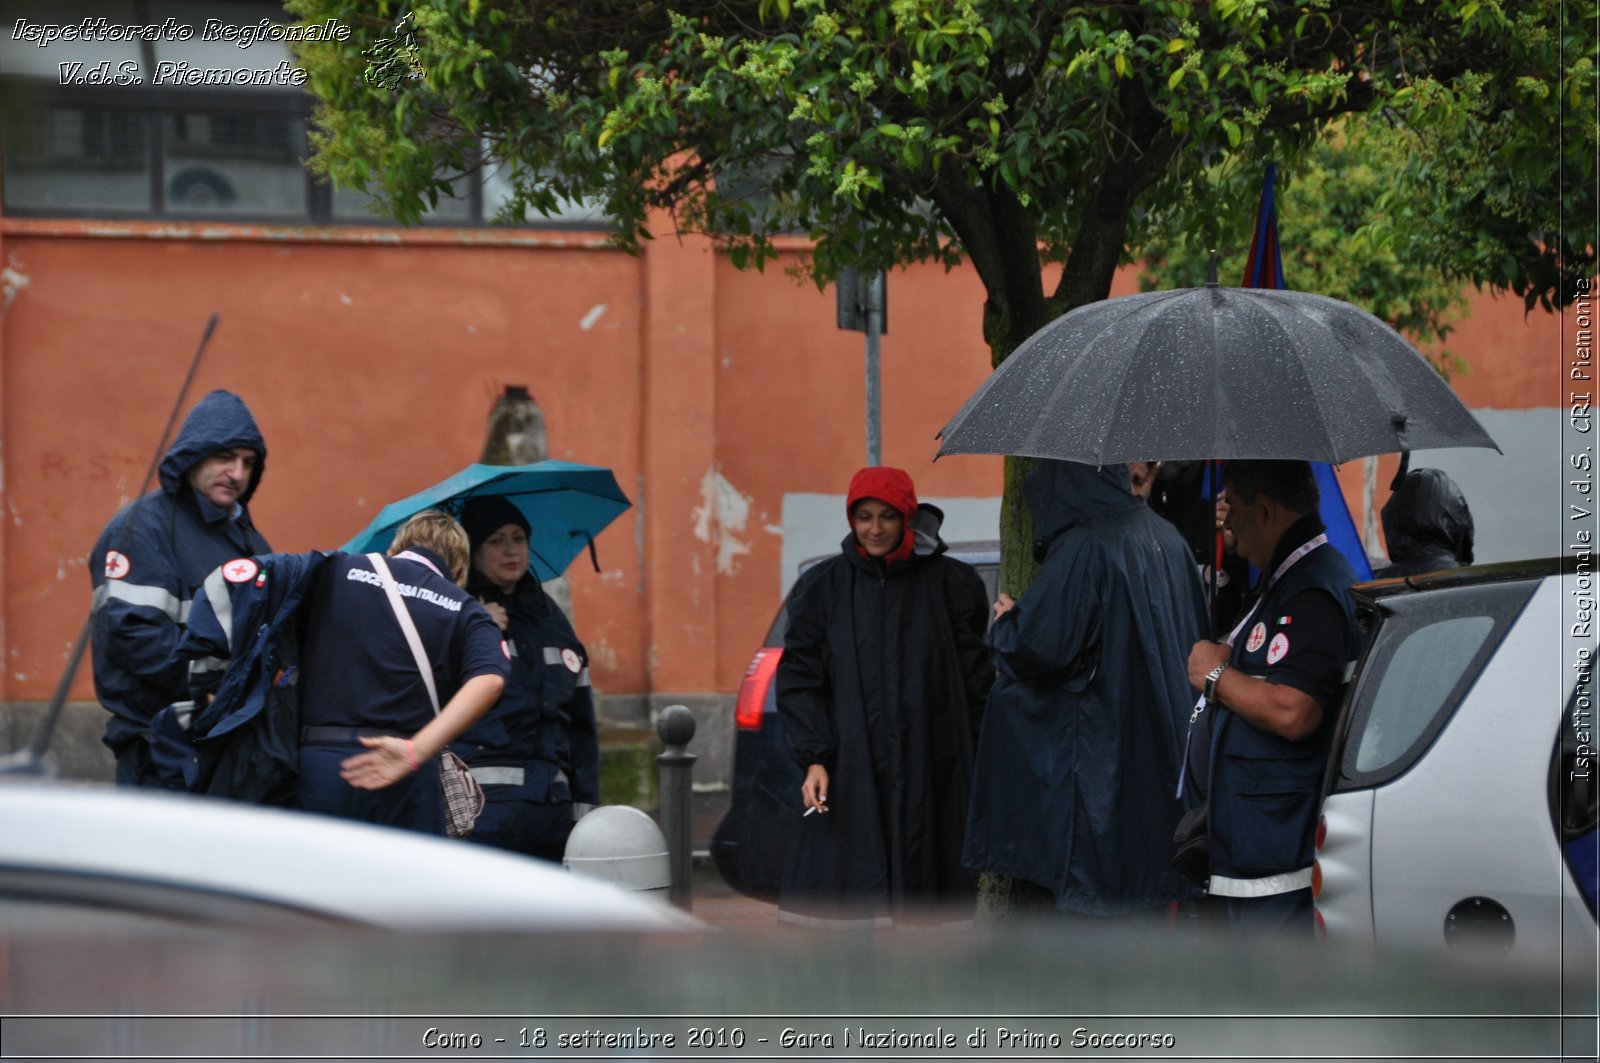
[(1212, 372), (566, 504)]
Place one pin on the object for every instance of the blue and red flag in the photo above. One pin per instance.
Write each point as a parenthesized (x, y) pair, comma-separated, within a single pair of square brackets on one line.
[(1264, 269)]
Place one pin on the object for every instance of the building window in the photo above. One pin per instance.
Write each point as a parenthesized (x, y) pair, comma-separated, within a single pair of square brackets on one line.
[(157, 146)]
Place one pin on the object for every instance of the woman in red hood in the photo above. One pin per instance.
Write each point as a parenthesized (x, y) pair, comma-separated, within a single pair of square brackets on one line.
[(881, 687)]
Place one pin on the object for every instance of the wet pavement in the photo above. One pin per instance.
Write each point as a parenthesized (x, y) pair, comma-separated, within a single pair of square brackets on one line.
[(713, 901)]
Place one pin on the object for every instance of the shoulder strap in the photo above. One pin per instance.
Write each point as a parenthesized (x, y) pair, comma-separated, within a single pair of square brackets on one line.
[(407, 625)]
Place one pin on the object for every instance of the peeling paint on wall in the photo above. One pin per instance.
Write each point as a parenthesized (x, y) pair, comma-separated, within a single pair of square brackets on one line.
[(602, 655), (721, 518), (13, 282)]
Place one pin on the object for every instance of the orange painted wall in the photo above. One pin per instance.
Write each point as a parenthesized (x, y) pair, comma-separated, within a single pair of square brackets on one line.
[(791, 412), (370, 365), (371, 359)]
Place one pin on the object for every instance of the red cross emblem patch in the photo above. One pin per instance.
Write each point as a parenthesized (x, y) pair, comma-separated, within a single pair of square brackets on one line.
[(240, 570)]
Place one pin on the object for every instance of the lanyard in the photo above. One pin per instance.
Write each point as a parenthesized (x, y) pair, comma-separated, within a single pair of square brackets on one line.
[(408, 555), (1200, 706)]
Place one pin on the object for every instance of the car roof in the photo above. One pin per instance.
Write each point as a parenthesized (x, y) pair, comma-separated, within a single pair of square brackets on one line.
[(298, 862), (1471, 575)]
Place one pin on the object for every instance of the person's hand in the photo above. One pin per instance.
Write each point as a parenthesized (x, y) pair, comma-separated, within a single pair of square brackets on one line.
[(1203, 657), (1002, 604), (1222, 526), (1142, 477), (497, 612), (814, 791), (387, 761)]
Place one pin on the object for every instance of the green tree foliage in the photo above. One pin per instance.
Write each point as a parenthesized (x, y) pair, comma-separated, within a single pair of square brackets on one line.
[(1335, 234), (1013, 133)]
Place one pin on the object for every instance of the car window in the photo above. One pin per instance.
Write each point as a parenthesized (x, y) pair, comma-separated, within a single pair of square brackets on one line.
[(1425, 654), (1425, 667)]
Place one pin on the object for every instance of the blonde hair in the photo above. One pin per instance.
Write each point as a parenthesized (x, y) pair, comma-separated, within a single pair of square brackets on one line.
[(439, 532)]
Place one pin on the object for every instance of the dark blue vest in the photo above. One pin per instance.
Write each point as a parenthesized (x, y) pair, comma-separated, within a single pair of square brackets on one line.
[(1263, 789)]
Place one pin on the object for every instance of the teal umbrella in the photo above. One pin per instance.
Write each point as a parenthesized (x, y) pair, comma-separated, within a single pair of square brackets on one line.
[(566, 504)]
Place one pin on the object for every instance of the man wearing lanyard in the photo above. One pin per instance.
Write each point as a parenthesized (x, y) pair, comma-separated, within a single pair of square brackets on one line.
[(1259, 741)]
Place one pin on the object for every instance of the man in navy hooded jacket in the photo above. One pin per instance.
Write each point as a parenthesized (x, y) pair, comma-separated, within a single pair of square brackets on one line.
[(1079, 754), (148, 564)]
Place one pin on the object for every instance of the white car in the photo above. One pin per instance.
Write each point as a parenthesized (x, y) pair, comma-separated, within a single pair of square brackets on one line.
[(77, 857), (1461, 802)]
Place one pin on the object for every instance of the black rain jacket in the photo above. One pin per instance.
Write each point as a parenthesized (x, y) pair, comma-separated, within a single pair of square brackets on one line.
[(882, 681), (1427, 525)]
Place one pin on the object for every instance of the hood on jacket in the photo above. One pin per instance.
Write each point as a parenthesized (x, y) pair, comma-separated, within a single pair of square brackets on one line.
[(220, 421), (886, 484), (892, 487), (1428, 514), (1065, 494)]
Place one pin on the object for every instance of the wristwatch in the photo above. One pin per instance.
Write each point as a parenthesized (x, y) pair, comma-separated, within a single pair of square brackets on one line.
[(1211, 679)]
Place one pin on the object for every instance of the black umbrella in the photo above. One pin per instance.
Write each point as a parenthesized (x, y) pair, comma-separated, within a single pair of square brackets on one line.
[(1213, 372)]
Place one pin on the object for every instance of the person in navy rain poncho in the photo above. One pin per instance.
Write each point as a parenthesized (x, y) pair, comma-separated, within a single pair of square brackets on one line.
[(881, 687), (369, 734), (148, 564), (1078, 760), (536, 752)]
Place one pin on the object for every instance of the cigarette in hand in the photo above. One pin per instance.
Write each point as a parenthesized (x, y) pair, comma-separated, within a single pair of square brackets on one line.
[(814, 808)]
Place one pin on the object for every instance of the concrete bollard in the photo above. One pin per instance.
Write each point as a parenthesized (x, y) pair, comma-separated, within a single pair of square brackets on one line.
[(621, 845), (676, 727)]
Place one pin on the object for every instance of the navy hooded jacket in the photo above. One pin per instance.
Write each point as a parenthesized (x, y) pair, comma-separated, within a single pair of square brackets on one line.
[(247, 740), (153, 557), (1078, 759)]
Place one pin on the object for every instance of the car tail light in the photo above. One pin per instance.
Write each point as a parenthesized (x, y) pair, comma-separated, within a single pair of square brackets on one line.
[(753, 690), (1322, 832)]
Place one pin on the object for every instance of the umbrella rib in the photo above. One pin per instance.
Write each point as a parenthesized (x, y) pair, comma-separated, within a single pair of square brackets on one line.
[(1068, 379), (1324, 428)]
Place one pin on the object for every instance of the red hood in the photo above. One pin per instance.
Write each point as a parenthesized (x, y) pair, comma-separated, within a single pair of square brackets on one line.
[(894, 487)]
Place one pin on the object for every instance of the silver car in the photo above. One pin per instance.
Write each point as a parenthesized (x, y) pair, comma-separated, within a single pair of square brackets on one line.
[(81, 859), (1460, 811)]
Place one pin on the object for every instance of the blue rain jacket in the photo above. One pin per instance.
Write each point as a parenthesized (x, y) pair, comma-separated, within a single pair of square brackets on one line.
[(150, 561), (1078, 760), (248, 614)]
